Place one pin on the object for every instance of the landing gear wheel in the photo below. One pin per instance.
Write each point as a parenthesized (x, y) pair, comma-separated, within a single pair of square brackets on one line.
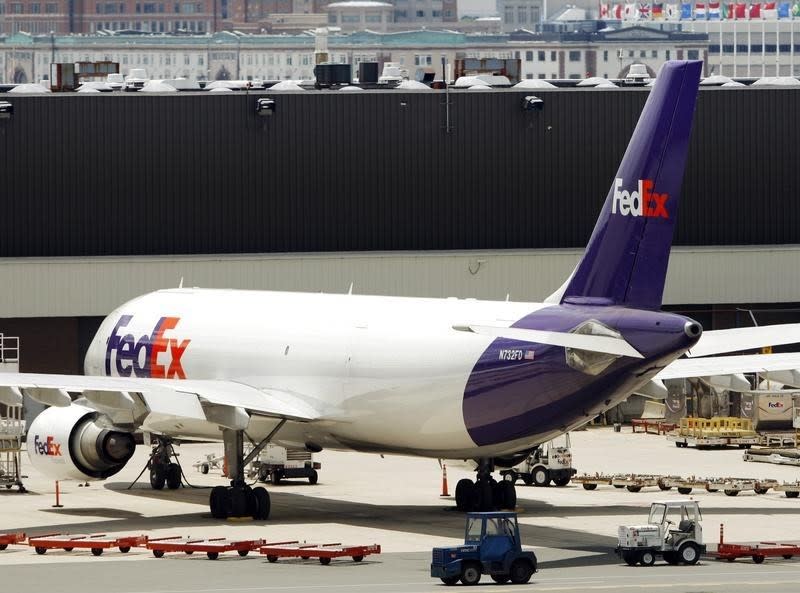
[(500, 579), (561, 482), (449, 581), (508, 495), (689, 553), (313, 477), (647, 558), (263, 504), (158, 476), (219, 501), (173, 476), (521, 571), (485, 500), (464, 495), (241, 505), (511, 476), (541, 477), (470, 573)]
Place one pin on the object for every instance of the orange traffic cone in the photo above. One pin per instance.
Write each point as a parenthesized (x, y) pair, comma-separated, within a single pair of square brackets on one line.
[(225, 466), (444, 481)]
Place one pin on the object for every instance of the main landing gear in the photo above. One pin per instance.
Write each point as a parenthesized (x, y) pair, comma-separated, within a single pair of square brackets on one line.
[(239, 499), (485, 493), (163, 471)]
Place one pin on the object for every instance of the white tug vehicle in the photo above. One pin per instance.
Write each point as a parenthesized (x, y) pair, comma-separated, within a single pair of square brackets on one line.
[(673, 531)]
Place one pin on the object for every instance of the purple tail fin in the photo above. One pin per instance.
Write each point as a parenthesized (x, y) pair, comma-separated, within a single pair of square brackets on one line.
[(626, 259)]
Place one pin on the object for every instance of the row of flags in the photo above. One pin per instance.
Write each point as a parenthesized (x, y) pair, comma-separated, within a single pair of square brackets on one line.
[(711, 11)]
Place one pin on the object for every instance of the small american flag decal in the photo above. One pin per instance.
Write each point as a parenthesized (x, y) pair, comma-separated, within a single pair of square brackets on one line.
[(529, 354)]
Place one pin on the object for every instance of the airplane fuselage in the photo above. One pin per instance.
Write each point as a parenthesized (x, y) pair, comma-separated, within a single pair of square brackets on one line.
[(388, 374)]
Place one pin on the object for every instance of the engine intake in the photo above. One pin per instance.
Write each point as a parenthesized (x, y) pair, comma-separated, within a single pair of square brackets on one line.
[(68, 443)]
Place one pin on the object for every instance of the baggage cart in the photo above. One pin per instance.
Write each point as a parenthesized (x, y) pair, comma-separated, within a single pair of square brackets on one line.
[(324, 552), (96, 542)]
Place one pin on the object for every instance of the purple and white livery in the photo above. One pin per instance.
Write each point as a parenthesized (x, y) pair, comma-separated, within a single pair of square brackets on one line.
[(443, 378)]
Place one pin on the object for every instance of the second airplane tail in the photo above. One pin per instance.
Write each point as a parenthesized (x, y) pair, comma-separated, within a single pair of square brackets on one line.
[(626, 259)]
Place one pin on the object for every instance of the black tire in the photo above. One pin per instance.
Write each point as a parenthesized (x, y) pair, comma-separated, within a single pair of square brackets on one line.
[(790, 494), (618, 485), (631, 557), (158, 553), (204, 468), (212, 555), (761, 490), (634, 488), (188, 552), (219, 502), (324, 561), (275, 477), (3, 546), (464, 494), (587, 486), (158, 476), (521, 571), (304, 557), (97, 551), (541, 476), (357, 558), (470, 573), (243, 553), (242, 502), (671, 558), (758, 559), (787, 556), (124, 549), (731, 492), (663, 487), (271, 558), (500, 579), (263, 503), (484, 496), (173, 476), (527, 479), (647, 558), (449, 581), (41, 550), (68, 549), (689, 553), (561, 482), (313, 477), (684, 490), (263, 473), (509, 492), (510, 476)]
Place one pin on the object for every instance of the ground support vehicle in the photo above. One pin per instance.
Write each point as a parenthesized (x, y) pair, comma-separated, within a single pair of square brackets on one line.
[(791, 490), (643, 544), (758, 552), (634, 482), (8, 539), (276, 463), (491, 546), (12, 430), (652, 425), (212, 547), (591, 482), (686, 485), (210, 462), (711, 442), (95, 542), (542, 466), (777, 457), (324, 552)]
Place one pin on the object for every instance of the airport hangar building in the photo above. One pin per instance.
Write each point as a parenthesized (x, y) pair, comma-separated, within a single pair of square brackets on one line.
[(460, 194)]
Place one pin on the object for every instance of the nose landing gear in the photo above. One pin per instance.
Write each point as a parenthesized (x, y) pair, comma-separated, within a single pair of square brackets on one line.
[(485, 493)]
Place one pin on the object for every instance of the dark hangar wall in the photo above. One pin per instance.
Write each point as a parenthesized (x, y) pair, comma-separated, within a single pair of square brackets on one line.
[(331, 171)]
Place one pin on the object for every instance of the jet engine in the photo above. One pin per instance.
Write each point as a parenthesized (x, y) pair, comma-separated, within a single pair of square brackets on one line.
[(70, 444)]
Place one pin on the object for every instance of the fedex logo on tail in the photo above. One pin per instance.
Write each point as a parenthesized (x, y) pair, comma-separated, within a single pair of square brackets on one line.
[(641, 202), (155, 355)]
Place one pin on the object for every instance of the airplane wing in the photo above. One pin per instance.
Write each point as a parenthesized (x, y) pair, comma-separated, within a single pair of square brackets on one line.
[(594, 343), (727, 365), (744, 338), (224, 402)]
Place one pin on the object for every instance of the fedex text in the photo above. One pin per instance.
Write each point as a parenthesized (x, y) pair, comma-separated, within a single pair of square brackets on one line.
[(48, 446), (155, 355), (641, 202)]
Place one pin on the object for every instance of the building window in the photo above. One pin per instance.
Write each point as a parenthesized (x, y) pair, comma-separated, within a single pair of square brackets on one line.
[(420, 14), (400, 14), (605, 55), (694, 54), (574, 56), (643, 54), (522, 14), (372, 18), (437, 14), (630, 53), (331, 18), (541, 56), (666, 54), (654, 53), (529, 56), (351, 18), (509, 14), (36, 8), (552, 56)]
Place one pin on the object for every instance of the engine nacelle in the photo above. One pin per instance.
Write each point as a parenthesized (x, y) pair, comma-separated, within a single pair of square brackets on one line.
[(68, 444)]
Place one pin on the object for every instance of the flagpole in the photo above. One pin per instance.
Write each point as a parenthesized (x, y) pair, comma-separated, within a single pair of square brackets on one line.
[(777, 46), (720, 39), (735, 26), (763, 47), (749, 45), (791, 45)]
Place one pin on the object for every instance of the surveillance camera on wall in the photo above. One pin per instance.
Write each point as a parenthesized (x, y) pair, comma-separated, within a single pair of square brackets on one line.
[(265, 106)]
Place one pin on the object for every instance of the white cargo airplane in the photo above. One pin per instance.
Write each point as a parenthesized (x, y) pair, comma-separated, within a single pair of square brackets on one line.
[(442, 378)]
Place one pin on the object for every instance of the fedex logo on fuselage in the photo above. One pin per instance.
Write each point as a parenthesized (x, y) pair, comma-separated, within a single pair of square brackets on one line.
[(641, 202), (156, 356), (49, 446)]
